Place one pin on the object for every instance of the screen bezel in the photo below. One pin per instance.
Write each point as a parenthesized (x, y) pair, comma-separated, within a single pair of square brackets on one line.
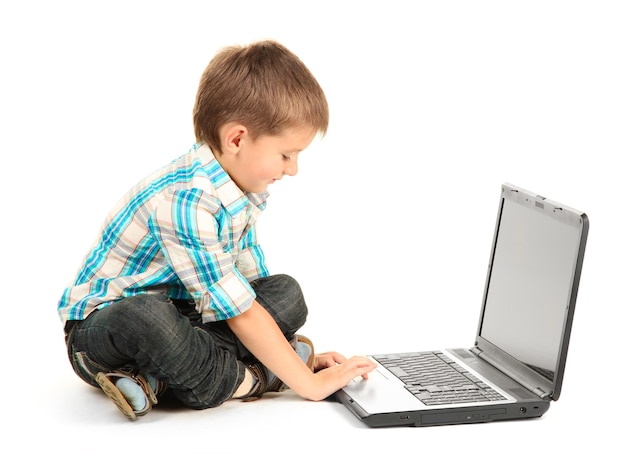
[(531, 379)]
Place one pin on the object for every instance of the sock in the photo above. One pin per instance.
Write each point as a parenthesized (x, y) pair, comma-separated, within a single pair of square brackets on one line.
[(133, 393), (246, 386), (152, 381), (303, 350)]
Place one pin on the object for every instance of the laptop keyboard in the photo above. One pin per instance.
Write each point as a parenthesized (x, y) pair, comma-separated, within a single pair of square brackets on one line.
[(436, 379)]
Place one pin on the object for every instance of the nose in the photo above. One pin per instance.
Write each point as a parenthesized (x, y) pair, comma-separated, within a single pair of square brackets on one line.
[(292, 167)]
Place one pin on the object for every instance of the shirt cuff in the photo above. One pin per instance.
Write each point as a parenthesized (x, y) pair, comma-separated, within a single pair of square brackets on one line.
[(230, 296)]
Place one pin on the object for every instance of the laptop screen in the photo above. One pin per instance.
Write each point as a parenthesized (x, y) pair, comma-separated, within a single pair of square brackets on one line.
[(530, 284)]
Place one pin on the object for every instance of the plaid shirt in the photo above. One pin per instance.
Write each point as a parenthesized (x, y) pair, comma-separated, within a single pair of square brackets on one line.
[(186, 231)]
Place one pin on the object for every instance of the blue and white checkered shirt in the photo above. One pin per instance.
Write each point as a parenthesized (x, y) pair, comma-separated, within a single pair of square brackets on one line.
[(186, 231)]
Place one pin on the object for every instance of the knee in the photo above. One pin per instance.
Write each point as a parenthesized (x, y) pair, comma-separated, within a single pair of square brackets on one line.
[(287, 285), (282, 296), (293, 294)]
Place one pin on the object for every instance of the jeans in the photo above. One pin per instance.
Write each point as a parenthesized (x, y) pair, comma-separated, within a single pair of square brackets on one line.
[(201, 363)]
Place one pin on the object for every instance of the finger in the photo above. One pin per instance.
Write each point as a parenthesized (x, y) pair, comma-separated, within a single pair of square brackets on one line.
[(365, 362), (325, 360), (338, 358), (359, 367)]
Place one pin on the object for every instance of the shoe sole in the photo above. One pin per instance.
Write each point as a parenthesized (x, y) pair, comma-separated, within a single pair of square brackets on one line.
[(116, 396)]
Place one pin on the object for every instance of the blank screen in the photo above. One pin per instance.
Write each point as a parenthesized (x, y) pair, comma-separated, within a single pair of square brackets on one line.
[(530, 283)]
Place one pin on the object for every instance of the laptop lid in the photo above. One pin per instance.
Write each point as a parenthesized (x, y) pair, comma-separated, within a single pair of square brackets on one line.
[(531, 288)]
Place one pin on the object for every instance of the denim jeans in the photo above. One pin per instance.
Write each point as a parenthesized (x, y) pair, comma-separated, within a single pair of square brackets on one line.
[(201, 363)]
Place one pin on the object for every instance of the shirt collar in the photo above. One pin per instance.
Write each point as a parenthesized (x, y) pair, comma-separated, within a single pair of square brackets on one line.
[(230, 195)]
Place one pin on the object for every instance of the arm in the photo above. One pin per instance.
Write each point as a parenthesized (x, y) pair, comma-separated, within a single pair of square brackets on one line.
[(260, 334)]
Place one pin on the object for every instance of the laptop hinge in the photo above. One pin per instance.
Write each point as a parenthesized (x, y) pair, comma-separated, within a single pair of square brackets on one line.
[(524, 381)]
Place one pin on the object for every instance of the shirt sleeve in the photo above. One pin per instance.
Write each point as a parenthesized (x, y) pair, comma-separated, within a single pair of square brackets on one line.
[(192, 231), (251, 259)]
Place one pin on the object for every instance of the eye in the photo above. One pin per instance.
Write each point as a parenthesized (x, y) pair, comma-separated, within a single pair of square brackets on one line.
[(287, 157)]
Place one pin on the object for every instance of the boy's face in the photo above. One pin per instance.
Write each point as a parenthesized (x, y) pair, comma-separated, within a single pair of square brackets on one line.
[(254, 164)]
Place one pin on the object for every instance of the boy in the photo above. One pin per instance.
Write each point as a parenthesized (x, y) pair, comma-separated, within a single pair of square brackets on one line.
[(175, 293)]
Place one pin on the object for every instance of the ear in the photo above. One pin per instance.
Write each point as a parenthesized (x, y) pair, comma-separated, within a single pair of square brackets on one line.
[(231, 135)]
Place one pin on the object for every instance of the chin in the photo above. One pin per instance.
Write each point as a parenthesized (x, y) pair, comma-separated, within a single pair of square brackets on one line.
[(257, 190)]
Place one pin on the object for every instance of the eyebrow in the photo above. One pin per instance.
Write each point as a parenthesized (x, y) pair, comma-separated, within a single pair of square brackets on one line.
[(295, 150)]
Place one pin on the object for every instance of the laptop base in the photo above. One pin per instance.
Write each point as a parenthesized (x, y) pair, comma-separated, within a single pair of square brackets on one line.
[(446, 416)]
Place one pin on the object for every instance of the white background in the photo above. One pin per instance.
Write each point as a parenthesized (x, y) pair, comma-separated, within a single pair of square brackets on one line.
[(387, 227)]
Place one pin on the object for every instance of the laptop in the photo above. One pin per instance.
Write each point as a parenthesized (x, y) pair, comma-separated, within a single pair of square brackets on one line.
[(515, 368)]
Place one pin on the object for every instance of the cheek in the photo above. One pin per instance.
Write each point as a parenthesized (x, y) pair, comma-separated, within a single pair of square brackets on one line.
[(271, 169)]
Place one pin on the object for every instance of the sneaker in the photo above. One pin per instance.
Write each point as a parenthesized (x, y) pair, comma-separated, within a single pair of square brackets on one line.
[(134, 394), (266, 381)]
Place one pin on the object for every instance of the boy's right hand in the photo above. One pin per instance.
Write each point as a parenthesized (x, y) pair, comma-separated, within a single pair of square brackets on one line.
[(333, 372), (258, 331)]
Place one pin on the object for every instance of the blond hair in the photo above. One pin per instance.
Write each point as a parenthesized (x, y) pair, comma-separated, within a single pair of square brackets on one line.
[(262, 86)]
